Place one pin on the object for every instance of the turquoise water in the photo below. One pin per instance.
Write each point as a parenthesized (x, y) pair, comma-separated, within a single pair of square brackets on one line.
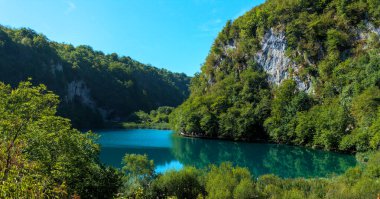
[(170, 151)]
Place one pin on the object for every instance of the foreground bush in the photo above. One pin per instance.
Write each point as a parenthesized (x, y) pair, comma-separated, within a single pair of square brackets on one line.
[(226, 181), (41, 155)]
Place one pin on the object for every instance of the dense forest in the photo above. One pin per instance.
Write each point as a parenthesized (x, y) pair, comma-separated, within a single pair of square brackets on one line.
[(42, 156), (293, 71), (289, 71), (93, 87)]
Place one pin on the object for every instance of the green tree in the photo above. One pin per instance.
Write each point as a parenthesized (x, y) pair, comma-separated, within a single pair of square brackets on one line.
[(185, 183), (42, 155), (228, 182), (288, 100), (138, 173)]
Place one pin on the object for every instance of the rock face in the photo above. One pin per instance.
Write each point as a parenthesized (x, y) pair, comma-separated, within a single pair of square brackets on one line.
[(80, 90), (278, 66), (56, 68), (272, 56), (373, 29), (274, 61), (364, 34)]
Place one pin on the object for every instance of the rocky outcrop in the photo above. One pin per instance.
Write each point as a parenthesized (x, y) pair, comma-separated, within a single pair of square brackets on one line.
[(230, 46), (369, 28), (274, 61), (373, 29), (80, 90), (54, 68), (365, 34)]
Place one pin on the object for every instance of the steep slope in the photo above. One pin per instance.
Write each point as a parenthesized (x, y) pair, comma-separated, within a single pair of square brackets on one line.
[(93, 87), (292, 71)]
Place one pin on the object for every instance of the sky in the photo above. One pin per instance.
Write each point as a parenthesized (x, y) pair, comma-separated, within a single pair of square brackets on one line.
[(171, 34)]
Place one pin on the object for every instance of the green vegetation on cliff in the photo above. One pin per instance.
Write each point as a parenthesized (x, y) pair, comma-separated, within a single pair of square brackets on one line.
[(292, 71), (93, 87)]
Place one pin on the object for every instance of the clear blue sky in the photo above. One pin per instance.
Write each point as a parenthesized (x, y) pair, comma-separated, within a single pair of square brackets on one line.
[(171, 34)]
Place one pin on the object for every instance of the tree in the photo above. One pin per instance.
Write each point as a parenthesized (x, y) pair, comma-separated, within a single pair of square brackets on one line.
[(365, 106), (287, 102), (138, 173), (185, 184), (228, 182), (18, 109), (41, 155)]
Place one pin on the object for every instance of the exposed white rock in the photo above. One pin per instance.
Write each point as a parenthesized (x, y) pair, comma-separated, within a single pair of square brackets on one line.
[(56, 68), (230, 46), (79, 89), (373, 29), (369, 29), (274, 61)]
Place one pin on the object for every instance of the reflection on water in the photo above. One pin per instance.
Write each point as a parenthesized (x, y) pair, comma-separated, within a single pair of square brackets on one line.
[(173, 152)]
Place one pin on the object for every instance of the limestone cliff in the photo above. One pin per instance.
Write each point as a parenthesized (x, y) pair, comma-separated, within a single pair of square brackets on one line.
[(79, 89), (272, 58)]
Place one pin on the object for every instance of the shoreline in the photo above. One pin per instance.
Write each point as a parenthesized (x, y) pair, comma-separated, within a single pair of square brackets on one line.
[(120, 126)]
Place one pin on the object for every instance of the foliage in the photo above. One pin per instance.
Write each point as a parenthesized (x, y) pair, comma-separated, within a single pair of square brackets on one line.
[(334, 45), (134, 125), (138, 172), (185, 183), (234, 109), (226, 181), (288, 100), (155, 119), (93, 87), (41, 155)]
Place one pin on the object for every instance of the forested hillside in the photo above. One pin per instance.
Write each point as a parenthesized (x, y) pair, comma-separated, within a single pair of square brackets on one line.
[(93, 87), (42, 156), (292, 71), (302, 72)]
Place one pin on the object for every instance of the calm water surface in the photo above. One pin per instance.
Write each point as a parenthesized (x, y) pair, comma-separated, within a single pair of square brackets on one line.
[(170, 151)]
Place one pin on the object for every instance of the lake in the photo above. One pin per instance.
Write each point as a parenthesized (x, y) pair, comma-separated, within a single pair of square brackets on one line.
[(170, 151)]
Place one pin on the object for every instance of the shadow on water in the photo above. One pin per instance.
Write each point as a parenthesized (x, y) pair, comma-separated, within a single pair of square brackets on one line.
[(281, 160), (172, 152)]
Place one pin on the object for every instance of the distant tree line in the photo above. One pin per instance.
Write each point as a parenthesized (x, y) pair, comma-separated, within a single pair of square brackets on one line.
[(94, 87), (155, 119)]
